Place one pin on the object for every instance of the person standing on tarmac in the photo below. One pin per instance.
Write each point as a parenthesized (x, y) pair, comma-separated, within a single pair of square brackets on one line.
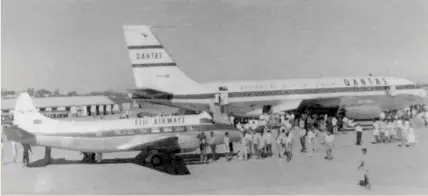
[(202, 147), (228, 147), (288, 143), (48, 156), (211, 143), (365, 170), (359, 132), (25, 154)]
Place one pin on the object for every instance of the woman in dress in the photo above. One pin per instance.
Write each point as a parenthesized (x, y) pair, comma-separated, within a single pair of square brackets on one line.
[(310, 141), (411, 138), (390, 131)]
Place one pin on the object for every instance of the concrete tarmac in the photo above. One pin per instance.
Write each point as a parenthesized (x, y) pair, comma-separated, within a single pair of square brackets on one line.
[(393, 170)]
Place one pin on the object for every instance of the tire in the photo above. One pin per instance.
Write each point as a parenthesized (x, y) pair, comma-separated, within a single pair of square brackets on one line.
[(156, 160)]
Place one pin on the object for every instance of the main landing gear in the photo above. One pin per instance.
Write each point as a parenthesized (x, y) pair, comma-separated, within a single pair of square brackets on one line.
[(89, 157), (154, 157)]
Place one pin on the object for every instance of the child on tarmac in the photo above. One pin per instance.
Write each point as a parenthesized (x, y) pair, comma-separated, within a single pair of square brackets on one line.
[(329, 138), (364, 168)]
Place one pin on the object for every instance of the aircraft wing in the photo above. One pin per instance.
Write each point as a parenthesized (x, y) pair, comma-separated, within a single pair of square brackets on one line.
[(358, 105), (384, 103), (161, 142), (148, 93)]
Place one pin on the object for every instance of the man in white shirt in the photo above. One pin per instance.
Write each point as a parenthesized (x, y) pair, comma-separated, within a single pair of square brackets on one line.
[(292, 117), (310, 141), (256, 140), (365, 169), (282, 119), (382, 130), (262, 145), (239, 126), (334, 123), (212, 145), (232, 120), (288, 144), (376, 132), (268, 141), (382, 115), (228, 146), (345, 122), (359, 132), (302, 132), (329, 139), (426, 117), (247, 144)]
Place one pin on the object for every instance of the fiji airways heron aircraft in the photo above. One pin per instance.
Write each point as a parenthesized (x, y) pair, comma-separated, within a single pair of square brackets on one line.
[(158, 80), (153, 136)]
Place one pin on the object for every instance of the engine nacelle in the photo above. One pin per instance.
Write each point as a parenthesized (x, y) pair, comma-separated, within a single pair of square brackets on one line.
[(363, 112)]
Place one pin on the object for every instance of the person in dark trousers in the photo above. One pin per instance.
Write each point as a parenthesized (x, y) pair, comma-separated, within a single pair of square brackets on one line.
[(26, 154), (211, 143), (228, 146), (303, 133), (359, 132), (288, 145), (364, 168), (48, 156), (203, 147)]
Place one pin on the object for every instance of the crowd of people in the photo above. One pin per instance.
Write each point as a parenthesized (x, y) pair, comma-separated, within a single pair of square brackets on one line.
[(314, 132)]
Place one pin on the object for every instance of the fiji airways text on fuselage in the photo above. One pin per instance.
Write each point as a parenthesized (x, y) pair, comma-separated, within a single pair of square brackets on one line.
[(161, 121)]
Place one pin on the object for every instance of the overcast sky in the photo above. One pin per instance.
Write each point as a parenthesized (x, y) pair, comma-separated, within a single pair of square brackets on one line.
[(79, 44)]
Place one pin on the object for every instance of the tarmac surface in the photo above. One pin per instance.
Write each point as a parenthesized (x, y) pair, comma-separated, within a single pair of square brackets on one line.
[(393, 170)]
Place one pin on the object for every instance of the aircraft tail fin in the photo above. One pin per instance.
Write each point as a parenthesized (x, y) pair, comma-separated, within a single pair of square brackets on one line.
[(152, 66), (25, 113)]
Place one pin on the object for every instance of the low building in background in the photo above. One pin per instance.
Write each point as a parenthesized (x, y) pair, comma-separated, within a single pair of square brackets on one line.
[(64, 107)]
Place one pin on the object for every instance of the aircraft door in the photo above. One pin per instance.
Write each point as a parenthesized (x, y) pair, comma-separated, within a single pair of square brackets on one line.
[(223, 95), (390, 90), (217, 99)]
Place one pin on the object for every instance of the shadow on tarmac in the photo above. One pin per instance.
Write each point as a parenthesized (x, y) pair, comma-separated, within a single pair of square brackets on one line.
[(178, 166)]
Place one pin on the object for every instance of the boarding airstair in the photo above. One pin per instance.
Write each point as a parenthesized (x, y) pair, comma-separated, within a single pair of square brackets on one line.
[(219, 105)]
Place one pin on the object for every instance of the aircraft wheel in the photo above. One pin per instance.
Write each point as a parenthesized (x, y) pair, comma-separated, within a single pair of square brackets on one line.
[(156, 160)]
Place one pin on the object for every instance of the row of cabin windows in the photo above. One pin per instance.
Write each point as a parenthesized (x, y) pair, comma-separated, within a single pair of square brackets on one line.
[(305, 91), (68, 109)]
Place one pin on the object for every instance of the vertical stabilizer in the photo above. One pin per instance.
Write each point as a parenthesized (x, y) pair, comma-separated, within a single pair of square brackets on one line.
[(152, 66), (26, 115)]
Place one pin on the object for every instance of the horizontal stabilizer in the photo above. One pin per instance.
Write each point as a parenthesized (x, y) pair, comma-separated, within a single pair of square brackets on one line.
[(16, 134)]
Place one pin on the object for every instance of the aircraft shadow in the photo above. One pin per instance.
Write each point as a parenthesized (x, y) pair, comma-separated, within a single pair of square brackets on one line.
[(178, 166)]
